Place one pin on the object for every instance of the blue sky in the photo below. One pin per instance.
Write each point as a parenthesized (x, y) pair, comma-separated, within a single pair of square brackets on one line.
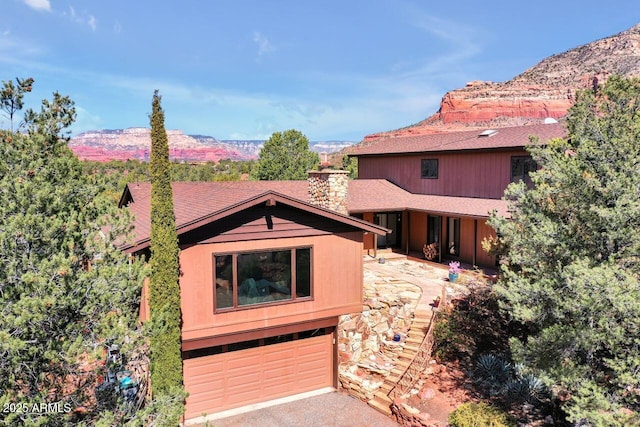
[(242, 69)]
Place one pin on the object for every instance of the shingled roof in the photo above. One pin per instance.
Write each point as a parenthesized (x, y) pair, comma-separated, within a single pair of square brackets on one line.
[(510, 137), (198, 202)]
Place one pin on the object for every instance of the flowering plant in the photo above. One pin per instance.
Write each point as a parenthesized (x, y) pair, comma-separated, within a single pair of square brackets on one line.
[(454, 267)]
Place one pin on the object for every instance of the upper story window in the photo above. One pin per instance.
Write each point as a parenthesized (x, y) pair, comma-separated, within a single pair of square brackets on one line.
[(521, 166), (429, 168), (246, 279)]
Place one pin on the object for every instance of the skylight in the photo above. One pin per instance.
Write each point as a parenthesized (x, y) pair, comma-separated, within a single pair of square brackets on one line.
[(488, 132)]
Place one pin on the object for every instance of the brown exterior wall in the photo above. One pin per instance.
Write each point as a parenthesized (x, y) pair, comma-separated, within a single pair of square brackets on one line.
[(465, 174), (415, 230), (467, 243), (337, 285), (418, 230), (484, 231), (369, 239)]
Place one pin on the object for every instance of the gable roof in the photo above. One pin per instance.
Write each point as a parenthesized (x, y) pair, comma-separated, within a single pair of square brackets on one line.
[(509, 137), (199, 203)]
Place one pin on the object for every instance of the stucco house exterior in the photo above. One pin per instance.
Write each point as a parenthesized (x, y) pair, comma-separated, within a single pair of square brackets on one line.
[(265, 275)]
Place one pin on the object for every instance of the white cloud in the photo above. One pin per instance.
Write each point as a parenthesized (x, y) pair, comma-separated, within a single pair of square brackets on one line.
[(92, 22), (14, 50), (39, 4), (82, 18), (463, 43), (264, 45), (86, 121)]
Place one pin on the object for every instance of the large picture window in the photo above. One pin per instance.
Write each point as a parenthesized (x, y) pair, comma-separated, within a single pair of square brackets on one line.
[(429, 168), (250, 278)]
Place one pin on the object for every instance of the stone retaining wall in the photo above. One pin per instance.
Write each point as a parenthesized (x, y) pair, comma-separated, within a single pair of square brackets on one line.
[(367, 350)]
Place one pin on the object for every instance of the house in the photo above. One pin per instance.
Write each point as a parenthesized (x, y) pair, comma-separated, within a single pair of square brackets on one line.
[(267, 267), (265, 275), (451, 182)]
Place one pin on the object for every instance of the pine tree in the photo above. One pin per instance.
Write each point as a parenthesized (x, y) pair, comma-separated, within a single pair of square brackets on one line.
[(570, 263), (66, 290), (11, 96), (164, 301), (286, 155)]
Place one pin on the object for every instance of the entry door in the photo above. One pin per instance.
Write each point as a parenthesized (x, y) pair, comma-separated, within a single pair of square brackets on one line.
[(391, 221), (453, 237), (434, 230)]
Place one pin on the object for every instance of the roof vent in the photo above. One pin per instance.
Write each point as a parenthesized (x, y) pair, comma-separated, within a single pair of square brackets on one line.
[(488, 132), (550, 120)]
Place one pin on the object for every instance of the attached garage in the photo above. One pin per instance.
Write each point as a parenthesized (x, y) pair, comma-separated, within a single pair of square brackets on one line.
[(237, 378)]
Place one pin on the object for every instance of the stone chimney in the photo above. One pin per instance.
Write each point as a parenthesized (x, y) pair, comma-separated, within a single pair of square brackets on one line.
[(329, 189)]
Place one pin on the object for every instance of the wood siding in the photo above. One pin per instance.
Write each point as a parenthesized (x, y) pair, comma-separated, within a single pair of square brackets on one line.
[(262, 222), (336, 282), (467, 241), (418, 230), (465, 174)]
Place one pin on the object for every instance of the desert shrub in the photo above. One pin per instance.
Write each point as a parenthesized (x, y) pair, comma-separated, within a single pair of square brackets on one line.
[(473, 325), (505, 383), (479, 415), (492, 373)]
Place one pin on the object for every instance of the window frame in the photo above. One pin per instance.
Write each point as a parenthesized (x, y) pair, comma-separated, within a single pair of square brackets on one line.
[(236, 306), (453, 236), (527, 160), (432, 161)]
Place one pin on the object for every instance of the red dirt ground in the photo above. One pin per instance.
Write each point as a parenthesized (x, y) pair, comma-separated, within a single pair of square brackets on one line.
[(443, 390)]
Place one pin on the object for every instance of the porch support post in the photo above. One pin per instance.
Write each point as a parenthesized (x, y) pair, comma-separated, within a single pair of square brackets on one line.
[(475, 241), (408, 231), (375, 245)]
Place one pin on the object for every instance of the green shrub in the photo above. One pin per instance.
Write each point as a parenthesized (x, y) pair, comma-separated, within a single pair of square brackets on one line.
[(473, 325), (478, 415)]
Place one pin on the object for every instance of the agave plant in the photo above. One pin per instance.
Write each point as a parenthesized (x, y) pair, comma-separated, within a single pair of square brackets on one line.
[(492, 372), (525, 388)]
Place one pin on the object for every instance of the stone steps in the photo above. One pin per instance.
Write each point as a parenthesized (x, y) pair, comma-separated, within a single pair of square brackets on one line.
[(404, 363), (411, 348), (415, 336), (387, 386), (417, 339), (382, 407)]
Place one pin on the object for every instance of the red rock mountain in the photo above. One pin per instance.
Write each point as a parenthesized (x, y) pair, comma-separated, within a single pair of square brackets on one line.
[(545, 90), (135, 143)]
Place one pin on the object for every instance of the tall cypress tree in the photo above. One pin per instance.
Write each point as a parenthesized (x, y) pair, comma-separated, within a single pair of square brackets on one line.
[(164, 291)]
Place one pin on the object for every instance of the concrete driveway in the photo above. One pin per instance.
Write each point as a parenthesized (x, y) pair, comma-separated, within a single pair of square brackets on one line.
[(334, 409)]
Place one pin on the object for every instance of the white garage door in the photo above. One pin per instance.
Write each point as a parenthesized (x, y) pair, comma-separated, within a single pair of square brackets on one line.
[(229, 380)]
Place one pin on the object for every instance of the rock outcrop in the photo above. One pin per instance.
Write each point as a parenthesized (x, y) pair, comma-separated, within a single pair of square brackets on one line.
[(544, 90), (135, 143)]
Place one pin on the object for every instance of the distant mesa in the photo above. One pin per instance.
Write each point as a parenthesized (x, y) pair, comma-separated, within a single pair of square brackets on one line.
[(544, 91), (135, 143)]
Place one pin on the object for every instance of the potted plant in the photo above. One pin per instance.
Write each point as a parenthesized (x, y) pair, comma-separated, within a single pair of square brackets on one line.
[(454, 271)]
